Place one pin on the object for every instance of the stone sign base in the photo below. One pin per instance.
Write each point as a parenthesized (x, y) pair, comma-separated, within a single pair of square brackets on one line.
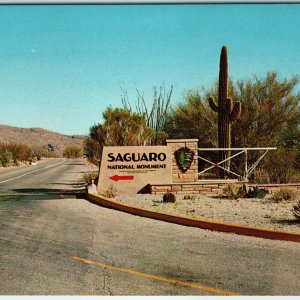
[(214, 187), (207, 187)]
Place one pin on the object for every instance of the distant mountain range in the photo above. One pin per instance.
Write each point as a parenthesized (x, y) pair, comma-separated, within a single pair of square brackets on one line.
[(39, 136)]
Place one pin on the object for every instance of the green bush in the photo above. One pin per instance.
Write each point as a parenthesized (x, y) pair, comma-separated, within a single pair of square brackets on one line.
[(72, 152), (233, 191), (5, 158), (189, 197), (260, 175), (110, 192), (169, 198), (281, 166), (19, 152), (284, 194), (89, 176), (256, 192)]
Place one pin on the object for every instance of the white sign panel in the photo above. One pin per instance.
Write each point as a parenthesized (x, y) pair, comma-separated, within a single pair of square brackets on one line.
[(129, 169)]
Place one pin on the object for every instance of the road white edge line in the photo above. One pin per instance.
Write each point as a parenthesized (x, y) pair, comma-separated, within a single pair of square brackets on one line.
[(32, 172)]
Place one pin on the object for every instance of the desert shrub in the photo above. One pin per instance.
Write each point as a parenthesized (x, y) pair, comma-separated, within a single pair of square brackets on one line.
[(121, 127), (89, 176), (281, 166), (110, 192), (39, 151), (51, 154), (169, 198), (260, 175), (5, 158), (233, 191), (92, 150), (284, 194), (270, 116), (157, 115), (296, 210), (72, 152), (19, 151), (256, 192), (189, 197)]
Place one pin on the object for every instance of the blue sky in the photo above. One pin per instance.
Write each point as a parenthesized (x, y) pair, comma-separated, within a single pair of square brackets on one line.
[(61, 66)]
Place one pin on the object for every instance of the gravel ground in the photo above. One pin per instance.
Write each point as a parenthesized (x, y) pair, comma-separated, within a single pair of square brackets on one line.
[(263, 213)]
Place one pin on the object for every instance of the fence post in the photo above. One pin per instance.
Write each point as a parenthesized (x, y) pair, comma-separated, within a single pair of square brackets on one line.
[(246, 165)]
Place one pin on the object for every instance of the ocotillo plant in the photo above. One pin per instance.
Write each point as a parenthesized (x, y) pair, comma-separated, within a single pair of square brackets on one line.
[(226, 114)]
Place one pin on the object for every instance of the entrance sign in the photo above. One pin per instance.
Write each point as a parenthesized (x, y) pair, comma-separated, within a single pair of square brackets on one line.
[(130, 168)]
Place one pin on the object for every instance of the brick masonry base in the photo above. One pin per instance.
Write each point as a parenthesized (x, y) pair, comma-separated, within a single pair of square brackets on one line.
[(213, 188)]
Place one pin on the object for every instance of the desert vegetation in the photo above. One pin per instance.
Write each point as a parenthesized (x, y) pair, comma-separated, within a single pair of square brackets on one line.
[(270, 116), (121, 127), (72, 152), (237, 191), (110, 192), (285, 194), (156, 116), (169, 198), (24, 145), (14, 154), (88, 177)]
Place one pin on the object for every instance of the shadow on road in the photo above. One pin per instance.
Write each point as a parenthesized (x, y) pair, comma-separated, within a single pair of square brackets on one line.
[(55, 194), (10, 197), (74, 185)]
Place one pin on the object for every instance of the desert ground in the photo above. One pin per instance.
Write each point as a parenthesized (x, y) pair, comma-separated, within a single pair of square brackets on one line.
[(262, 213)]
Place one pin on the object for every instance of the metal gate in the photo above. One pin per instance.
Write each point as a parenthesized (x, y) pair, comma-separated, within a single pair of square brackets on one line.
[(237, 152)]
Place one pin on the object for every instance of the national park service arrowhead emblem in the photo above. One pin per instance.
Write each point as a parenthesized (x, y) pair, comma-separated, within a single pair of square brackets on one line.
[(184, 158)]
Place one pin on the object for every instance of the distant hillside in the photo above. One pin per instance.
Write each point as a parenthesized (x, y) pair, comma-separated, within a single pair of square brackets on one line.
[(39, 136)]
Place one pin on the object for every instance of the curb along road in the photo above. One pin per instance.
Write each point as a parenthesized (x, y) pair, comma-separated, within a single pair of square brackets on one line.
[(214, 226)]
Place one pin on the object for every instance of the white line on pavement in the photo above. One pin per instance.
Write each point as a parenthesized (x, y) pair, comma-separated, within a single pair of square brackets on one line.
[(32, 172)]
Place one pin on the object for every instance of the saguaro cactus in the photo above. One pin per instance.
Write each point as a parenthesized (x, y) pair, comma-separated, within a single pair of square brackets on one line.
[(226, 114)]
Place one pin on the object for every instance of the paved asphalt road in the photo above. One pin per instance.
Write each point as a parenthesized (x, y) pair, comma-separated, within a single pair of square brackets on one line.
[(53, 242)]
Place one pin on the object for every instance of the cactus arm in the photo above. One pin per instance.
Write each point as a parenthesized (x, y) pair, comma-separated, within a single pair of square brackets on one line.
[(213, 104), (236, 111)]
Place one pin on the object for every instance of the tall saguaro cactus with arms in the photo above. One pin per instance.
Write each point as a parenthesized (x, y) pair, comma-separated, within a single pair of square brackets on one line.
[(226, 113)]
